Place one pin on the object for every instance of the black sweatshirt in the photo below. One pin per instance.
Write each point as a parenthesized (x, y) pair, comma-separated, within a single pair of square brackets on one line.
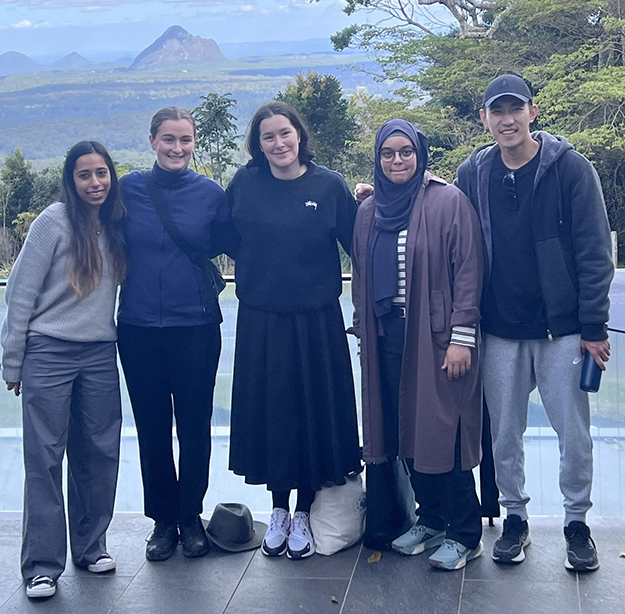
[(288, 258)]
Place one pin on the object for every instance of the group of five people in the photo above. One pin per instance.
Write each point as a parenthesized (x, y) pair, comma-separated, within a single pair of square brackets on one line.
[(527, 218)]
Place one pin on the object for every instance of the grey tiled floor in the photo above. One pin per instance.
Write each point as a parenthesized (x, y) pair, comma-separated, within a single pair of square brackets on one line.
[(248, 583)]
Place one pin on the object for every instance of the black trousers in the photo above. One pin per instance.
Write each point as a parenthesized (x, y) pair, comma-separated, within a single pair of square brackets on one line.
[(446, 500), (161, 365)]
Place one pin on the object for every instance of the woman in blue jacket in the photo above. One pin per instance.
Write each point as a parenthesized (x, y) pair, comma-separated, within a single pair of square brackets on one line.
[(168, 332)]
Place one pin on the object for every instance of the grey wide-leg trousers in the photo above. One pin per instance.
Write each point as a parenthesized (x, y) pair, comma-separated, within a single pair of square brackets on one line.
[(511, 369), (71, 401)]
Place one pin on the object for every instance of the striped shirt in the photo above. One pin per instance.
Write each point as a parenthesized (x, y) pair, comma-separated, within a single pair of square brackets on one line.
[(460, 335), (400, 299)]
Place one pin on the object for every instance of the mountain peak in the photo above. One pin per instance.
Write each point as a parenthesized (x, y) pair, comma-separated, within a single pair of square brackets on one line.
[(73, 61), (176, 46), (15, 63), (176, 32)]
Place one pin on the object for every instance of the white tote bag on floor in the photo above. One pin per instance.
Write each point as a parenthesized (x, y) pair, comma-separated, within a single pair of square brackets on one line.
[(337, 515)]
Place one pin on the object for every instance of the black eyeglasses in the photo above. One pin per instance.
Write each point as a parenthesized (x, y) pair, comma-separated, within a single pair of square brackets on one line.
[(509, 184), (405, 153)]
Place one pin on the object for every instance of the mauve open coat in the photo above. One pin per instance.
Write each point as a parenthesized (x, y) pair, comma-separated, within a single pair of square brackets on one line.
[(444, 284)]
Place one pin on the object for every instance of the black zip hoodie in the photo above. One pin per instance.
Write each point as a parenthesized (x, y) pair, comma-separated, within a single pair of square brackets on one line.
[(571, 233)]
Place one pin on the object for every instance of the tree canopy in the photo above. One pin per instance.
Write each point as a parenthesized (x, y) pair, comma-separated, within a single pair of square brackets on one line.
[(18, 180), (572, 51), (217, 138), (319, 98)]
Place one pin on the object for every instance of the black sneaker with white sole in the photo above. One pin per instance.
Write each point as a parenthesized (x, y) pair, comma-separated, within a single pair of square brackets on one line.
[(40, 586), (581, 552), (510, 547)]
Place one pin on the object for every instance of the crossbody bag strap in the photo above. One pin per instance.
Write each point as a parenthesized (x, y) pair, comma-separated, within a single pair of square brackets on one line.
[(196, 256)]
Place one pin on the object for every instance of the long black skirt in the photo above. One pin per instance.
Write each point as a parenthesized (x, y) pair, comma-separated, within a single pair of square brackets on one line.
[(293, 419)]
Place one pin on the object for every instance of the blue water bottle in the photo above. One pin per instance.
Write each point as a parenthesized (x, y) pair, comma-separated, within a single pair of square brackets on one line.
[(591, 374)]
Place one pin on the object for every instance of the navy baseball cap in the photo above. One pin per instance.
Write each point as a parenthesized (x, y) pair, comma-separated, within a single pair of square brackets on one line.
[(507, 85)]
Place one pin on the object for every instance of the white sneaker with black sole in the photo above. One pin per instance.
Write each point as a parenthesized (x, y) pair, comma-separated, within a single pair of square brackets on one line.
[(301, 543), (275, 541), (40, 586)]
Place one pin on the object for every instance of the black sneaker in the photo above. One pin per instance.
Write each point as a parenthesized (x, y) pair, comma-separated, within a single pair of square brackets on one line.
[(581, 552), (510, 547), (40, 586), (162, 541), (194, 539)]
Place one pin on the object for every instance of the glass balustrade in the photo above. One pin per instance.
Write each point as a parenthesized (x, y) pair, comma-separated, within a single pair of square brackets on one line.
[(541, 447)]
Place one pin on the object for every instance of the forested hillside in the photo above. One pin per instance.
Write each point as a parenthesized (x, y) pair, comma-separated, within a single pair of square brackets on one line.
[(45, 113), (572, 51)]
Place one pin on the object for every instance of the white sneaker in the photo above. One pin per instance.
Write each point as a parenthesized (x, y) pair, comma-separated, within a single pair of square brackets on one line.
[(301, 543), (40, 586), (276, 536), (105, 562)]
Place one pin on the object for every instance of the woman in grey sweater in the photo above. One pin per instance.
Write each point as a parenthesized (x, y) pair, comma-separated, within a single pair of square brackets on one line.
[(58, 343)]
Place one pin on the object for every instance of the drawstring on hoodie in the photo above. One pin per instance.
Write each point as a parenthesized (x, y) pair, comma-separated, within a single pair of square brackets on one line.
[(560, 214)]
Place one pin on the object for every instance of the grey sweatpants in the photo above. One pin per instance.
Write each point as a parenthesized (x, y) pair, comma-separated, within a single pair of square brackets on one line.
[(70, 401), (511, 369)]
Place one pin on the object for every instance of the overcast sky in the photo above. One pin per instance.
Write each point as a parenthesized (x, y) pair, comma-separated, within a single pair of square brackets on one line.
[(57, 27)]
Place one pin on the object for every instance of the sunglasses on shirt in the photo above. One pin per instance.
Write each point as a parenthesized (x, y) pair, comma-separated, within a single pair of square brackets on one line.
[(509, 184)]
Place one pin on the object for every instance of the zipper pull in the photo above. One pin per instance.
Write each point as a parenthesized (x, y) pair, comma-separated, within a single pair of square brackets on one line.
[(549, 335)]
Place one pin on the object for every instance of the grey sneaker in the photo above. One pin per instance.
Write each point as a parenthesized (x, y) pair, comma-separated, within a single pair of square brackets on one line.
[(417, 539), (581, 552), (301, 543), (510, 547), (274, 543), (453, 555)]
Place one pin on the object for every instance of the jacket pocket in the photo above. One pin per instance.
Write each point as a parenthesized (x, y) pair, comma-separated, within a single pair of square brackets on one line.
[(437, 311), (558, 289)]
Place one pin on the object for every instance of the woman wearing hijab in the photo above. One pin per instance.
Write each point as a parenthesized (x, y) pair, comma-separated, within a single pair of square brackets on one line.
[(417, 275)]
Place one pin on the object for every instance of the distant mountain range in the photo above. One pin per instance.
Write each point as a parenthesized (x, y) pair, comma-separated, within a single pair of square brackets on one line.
[(111, 99), (175, 46)]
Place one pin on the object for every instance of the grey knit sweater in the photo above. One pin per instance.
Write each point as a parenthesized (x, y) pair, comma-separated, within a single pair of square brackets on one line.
[(40, 300)]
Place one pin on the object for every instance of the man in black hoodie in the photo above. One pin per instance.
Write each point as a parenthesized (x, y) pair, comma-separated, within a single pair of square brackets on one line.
[(548, 270)]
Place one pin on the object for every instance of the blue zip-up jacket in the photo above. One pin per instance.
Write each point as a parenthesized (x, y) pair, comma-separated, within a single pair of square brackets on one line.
[(163, 287), (571, 233)]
